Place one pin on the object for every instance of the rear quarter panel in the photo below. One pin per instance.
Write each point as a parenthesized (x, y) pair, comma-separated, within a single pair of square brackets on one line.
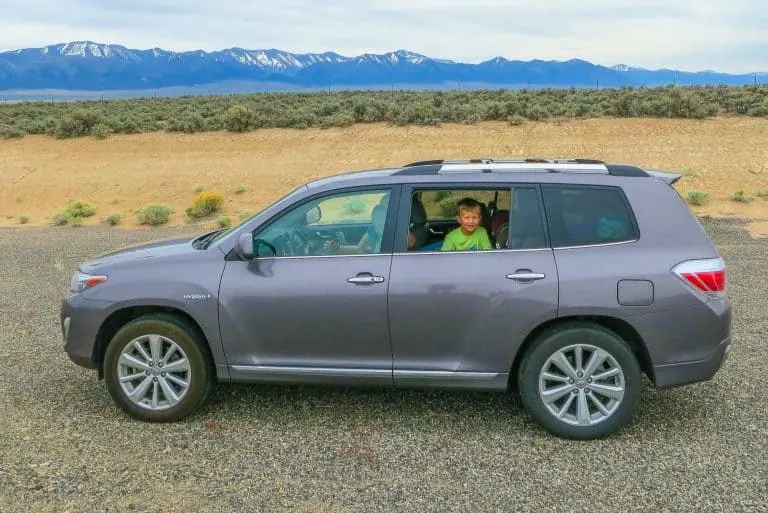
[(679, 325)]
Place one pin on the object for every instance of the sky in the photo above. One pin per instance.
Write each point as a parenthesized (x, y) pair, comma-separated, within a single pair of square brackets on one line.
[(690, 35)]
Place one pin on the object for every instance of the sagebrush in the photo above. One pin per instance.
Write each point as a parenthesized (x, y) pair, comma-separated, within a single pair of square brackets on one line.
[(240, 113), (154, 215)]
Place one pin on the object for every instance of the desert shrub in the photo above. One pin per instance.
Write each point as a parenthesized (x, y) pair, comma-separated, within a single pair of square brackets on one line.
[(441, 195), (100, 131), (741, 196), (60, 219), (697, 198), (76, 124), (79, 209), (200, 188), (448, 207), (223, 221), (515, 120), (340, 119), (36, 126), (762, 193), (354, 206), (417, 113), (244, 214), (23, 219), (294, 118), (206, 203), (759, 110), (240, 189), (75, 222), (127, 126), (7, 132), (113, 219), (537, 113), (239, 118), (153, 215), (189, 122)]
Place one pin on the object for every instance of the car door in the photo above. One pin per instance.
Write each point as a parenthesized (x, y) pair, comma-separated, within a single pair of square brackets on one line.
[(457, 319), (312, 305)]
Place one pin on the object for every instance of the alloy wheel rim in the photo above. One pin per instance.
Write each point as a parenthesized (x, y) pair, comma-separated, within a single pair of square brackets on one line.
[(581, 385), (154, 372)]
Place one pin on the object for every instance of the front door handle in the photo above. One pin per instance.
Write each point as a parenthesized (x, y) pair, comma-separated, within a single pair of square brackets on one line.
[(526, 276), (365, 279)]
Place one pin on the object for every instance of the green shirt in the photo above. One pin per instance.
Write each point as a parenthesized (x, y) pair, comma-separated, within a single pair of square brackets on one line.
[(457, 241)]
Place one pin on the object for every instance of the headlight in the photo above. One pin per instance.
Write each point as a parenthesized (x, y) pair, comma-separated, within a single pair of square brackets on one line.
[(81, 281)]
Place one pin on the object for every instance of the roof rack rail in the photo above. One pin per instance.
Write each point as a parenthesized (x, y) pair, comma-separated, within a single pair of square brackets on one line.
[(541, 165), (505, 161)]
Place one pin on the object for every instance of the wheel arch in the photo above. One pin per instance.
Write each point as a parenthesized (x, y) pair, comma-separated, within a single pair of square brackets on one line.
[(619, 326), (123, 316)]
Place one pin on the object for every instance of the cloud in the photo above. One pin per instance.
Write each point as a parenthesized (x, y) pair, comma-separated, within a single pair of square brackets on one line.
[(708, 34)]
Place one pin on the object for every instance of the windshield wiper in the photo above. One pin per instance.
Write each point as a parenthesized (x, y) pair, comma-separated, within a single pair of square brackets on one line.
[(202, 242)]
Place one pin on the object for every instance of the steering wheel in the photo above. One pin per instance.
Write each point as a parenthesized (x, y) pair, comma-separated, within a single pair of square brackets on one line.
[(291, 243), (300, 241)]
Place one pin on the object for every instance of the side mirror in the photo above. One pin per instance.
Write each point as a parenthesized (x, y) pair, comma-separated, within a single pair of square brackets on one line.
[(313, 215), (244, 246)]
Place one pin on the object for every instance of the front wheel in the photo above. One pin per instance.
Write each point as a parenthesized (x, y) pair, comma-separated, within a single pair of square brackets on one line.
[(156, 369), (580, 381)]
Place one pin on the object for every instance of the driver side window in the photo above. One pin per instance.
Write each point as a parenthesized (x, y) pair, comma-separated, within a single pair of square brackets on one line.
[(350, 223)]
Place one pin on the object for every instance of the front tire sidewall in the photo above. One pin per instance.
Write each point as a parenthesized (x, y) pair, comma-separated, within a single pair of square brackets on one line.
[(201, 376), (530, 368)]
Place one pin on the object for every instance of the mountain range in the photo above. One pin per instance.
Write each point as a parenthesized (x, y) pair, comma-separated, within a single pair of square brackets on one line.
[(90, 66)]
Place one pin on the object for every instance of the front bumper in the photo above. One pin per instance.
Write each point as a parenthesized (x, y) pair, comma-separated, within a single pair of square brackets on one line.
[(684, 373), (80, 320)]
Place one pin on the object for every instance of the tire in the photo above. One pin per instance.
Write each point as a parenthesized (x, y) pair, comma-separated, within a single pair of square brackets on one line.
[(160, 396), (566, 403)]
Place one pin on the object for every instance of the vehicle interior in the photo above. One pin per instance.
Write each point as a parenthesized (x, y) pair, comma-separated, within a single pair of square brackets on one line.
[(341, 224), (344, 224), (512, 217)]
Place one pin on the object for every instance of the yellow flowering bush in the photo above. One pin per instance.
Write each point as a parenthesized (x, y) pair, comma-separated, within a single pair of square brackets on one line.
[(206, 203)]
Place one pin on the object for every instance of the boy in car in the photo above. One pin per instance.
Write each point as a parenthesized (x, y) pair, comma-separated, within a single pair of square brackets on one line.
[(469, 236)]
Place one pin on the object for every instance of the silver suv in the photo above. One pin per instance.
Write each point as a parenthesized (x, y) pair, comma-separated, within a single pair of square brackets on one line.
[(589, 275)]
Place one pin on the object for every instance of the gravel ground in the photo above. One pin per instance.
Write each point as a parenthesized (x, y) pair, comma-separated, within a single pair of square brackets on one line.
[(64, 446)]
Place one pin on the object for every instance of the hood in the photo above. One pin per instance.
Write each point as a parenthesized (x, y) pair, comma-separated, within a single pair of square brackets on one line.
[(160, 249)]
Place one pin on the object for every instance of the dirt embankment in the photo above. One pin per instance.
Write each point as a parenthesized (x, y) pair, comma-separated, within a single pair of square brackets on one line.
[(122, 173)]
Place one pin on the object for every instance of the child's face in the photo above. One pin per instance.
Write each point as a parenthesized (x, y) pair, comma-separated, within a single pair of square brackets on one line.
[(469, 220)]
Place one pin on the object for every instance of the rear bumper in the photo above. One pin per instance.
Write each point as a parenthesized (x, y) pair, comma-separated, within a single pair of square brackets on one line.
[(684, 373), (80, 320)]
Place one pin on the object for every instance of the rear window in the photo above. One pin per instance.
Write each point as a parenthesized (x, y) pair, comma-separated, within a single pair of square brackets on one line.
[(587, 215)]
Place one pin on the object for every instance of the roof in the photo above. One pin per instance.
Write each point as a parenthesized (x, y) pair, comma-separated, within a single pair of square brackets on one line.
[(523, 165)]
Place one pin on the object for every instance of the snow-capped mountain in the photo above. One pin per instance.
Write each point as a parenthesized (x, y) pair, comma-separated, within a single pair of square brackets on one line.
[(86, 65)]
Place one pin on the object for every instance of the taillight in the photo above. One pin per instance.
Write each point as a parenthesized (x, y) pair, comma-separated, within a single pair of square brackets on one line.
[(706, 276)]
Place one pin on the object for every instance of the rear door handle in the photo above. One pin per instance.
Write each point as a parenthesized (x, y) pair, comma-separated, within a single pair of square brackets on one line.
[(365, 279), (526, 276)]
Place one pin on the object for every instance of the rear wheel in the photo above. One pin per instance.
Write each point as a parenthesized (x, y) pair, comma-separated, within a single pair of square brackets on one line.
[(580, 380), (156, 368)]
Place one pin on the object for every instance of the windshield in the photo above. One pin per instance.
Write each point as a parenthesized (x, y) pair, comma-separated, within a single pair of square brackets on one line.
[(221, 234)]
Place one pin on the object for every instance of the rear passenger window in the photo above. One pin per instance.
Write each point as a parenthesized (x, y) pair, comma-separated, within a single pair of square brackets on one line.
[(582, 215)]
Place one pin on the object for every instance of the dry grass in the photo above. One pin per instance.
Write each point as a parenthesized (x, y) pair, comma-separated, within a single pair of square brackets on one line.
[(38, 174)]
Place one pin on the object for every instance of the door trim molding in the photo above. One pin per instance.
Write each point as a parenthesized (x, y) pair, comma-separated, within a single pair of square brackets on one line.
[(289, 375), (457, 380), (310, 371), (492, 381)]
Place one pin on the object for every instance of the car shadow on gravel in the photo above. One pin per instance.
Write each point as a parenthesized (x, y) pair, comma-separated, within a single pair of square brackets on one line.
[(662, 412)]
